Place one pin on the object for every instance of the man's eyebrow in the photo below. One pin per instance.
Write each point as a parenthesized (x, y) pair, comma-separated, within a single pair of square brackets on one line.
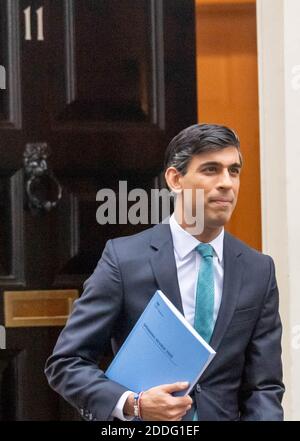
[(215, 163), (236, 164)]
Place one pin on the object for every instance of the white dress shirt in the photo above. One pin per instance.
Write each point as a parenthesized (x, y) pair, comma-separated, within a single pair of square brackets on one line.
[(188, 262)]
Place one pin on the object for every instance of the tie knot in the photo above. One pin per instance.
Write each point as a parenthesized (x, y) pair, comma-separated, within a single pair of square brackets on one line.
[(205, 250)]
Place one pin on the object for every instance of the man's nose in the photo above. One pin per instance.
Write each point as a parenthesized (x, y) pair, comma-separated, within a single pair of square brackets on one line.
[(225, 180)]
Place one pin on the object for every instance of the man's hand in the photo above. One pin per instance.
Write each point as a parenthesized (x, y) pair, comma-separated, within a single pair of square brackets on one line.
[(157, 403)]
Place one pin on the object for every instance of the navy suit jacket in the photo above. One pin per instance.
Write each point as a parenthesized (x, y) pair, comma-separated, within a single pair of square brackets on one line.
[(244, 380)]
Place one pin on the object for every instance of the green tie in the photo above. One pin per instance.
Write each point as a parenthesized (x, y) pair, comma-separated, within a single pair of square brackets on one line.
[(205, 293), (204, 308)]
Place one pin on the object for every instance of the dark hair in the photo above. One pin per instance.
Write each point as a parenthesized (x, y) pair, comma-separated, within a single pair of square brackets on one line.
[(197, 139)]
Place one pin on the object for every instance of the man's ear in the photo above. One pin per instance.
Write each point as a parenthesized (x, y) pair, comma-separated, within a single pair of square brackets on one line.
[(172, 176)]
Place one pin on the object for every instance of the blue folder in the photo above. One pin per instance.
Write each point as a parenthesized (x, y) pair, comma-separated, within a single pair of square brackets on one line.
[(162, 348)]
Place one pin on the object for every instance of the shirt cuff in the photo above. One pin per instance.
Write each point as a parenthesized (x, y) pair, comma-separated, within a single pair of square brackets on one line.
[(118, 410)]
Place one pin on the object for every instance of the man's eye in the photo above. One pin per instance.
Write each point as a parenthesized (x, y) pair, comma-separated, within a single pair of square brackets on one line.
[(210, 169), (235, 170)]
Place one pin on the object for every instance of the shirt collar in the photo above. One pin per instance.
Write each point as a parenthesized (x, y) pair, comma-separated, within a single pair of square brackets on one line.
[(184, 242)]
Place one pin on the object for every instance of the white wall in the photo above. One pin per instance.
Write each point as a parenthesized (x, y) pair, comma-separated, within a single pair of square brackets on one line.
[(278, 25)]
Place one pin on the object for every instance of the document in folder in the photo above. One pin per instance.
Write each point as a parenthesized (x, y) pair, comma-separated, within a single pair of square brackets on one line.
[(161, 348)]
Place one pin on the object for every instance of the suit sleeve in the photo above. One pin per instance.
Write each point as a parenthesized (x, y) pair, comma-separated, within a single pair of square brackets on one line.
[(72, 370), (262, 387)]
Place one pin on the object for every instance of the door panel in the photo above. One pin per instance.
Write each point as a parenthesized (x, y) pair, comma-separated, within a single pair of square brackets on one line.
[(11, 233), (10, 99), (97, 86)]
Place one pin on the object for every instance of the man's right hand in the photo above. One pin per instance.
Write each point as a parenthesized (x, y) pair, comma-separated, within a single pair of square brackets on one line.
[(158, 403)]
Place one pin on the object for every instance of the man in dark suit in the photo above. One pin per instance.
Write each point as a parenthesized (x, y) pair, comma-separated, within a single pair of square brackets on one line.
[(241, 321)]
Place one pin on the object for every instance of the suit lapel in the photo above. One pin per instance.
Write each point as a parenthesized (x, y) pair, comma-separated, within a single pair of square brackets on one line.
[(233, 269), (164, 265)]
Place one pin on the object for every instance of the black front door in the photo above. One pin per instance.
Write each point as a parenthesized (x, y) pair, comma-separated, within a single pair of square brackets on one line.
[(102, 86)]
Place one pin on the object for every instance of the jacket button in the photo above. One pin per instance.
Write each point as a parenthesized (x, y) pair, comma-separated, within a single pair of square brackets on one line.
[(198, 388)]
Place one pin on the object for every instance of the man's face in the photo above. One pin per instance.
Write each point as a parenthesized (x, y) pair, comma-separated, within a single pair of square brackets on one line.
[(218, 174)]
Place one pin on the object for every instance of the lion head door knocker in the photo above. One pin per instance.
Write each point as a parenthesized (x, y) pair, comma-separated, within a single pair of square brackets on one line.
[(42, 187)]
